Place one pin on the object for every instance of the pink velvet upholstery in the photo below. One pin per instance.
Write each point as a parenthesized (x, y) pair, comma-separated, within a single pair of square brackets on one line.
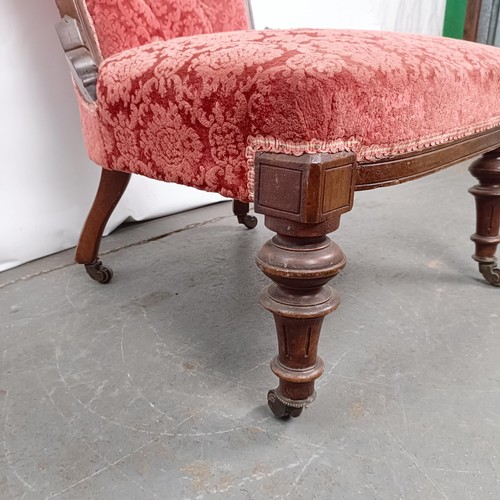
[(123, 24), (194, 110)]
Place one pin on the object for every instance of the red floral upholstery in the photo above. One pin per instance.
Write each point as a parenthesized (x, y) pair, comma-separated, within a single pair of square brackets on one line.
[(123, 24), (195, 110)]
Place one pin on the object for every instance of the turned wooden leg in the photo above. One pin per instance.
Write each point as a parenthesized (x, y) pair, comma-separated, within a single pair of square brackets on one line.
[(299, 300), (487, 193), (241, 209), (302, 199), (111, 188)]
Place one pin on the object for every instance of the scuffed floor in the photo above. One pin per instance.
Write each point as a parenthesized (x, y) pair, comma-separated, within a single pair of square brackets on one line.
[(154, 386)]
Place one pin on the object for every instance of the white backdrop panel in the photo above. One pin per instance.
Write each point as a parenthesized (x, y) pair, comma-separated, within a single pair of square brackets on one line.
[(423, 16)]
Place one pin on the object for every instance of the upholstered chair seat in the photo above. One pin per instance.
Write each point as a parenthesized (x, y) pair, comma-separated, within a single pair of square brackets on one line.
[(195, 110), (295, 121)]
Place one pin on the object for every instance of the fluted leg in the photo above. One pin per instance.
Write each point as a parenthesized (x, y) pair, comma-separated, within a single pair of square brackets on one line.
[(302, 199), (487, 193), (299, 299), (111, 188)]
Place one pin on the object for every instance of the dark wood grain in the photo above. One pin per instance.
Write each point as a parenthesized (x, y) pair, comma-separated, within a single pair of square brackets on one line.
[(111, 188), (414, 165), (309, 189), (487, 195), (472, 19)]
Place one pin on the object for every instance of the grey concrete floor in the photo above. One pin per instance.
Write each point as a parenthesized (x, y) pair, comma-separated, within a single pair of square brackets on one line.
[(154, 386)]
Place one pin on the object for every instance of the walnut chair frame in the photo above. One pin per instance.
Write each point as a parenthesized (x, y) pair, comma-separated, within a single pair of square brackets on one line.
[(302, 199)]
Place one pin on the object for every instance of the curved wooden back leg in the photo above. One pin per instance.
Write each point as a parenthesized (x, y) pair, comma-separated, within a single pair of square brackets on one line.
[(241, 209), (487, 193), (111, 188), (302, 199)]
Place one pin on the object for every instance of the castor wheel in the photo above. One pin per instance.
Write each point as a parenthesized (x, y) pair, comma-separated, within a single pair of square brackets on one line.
[(490, 272), (280, 409), (98, 272), (240, 209), (249, 221)]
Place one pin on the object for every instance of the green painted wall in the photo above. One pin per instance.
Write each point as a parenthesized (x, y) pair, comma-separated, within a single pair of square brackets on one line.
[(454, 18)]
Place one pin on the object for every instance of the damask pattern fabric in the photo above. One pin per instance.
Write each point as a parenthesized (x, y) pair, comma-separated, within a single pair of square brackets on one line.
[(194, 110), (124, 24)]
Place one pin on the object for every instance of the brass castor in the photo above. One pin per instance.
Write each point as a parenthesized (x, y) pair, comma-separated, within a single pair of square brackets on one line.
[(281, 409), (490, 272), (250, 221), (98, 272)]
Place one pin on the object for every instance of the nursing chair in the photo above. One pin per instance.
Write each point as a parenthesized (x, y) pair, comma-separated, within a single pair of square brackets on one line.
[(294, 121)]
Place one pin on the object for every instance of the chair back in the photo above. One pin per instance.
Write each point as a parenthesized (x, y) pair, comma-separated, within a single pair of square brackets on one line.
[(123, 24)]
